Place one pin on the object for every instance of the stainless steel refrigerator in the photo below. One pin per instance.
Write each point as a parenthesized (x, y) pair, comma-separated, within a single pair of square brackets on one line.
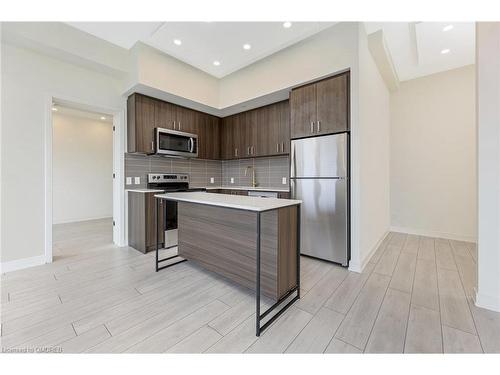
[(319, 176)]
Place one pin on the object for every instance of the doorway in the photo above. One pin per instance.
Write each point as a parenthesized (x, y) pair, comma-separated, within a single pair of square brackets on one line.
[(82, 182), (84, 191)]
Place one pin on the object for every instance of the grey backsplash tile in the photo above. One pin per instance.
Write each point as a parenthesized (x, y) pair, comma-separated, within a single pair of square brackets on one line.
[(269, 170)]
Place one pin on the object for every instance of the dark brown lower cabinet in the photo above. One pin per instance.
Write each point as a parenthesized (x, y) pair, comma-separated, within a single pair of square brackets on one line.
[(142, 221), (223, 240)]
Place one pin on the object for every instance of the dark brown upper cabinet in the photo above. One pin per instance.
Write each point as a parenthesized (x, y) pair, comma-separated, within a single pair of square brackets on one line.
[(320, 108), (145, 114), (140, 124), (263, 131)]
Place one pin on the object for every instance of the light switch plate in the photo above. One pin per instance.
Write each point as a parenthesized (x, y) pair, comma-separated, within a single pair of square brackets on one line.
[(283, 180), (232, 180), (212, 180), (137, 180), (128, 181)]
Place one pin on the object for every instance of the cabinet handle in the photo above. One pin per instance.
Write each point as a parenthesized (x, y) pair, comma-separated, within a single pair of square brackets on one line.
[(152, 145), (235, 152), (319, 126), (312, 126), (277, 147), (248, 150), (179, 125), (174, 124), (282, 146), (253, 150)]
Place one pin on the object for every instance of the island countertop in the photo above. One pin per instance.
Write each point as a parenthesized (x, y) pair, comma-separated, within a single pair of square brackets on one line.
[(256, 204)]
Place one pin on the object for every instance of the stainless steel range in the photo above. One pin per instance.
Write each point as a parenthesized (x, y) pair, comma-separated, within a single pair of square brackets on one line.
[(170, 182)]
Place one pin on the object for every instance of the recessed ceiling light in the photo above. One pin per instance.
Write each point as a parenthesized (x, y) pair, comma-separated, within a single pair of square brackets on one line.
[(448, 28), (216, 63), (103, 118), (445, 51), (177, 42), (287, 24), (54, 109), (247, 46)]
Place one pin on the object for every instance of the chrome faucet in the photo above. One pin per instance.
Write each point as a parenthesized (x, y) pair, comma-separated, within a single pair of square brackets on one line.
[(254, 181)]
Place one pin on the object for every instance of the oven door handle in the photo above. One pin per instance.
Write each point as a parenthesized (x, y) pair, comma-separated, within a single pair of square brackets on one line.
[(191, 142)]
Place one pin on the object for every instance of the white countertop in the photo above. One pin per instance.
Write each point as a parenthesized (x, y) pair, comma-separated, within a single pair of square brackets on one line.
[(249, 188), (144, 190), (241, 202)]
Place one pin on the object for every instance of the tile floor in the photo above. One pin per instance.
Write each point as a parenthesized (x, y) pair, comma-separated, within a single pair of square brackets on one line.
[(415, 296)]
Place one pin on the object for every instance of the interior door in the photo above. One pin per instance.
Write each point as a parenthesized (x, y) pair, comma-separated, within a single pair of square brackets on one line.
[(323, 217)]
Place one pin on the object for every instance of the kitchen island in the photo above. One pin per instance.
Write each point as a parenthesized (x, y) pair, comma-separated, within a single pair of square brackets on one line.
[(252, 241)]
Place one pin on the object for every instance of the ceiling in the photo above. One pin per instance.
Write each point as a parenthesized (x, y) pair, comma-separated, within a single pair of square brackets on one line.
[(60, 109), (203, 43), (416, 47)]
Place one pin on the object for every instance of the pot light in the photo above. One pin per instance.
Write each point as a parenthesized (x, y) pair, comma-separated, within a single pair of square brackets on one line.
[(287, 24), (445, 51), (177, 42), (247, 46), (216, 63), (103, 118), (448, 28), (54, 109)]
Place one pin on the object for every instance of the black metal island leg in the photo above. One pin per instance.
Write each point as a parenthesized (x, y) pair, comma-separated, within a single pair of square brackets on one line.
[(163, 208), (258, 316)]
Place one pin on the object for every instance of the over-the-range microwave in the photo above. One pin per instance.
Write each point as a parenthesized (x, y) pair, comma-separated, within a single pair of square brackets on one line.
[(176, 143)]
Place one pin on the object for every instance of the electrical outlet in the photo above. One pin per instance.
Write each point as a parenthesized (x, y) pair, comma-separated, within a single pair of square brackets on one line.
[(212, 180), (128, 181), (283, 180), (137, 180), (232, 180)]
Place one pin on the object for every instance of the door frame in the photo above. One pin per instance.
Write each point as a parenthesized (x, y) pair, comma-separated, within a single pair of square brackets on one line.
[(119, 124)]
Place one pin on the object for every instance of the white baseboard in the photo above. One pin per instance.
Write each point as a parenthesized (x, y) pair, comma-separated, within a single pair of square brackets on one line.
[(430, 233), (487, 301), (358, 267), (20, 264)]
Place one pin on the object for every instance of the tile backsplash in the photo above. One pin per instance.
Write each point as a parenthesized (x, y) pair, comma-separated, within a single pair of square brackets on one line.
[(200, 171), (269, 171)]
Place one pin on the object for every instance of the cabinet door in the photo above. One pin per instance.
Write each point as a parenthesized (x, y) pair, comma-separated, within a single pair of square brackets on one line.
[(303, 110), (249, 130), (213, 138), (144, 124), (268, 130), (284, 127), (198, 126), (332, 109), (186, 120), (239, 149), (226, 137), (165, 115)]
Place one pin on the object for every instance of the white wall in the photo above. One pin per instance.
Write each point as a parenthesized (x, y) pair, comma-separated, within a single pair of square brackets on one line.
[(82, 171), (372, 163), (433, 155), (28, 80), (488, 120)]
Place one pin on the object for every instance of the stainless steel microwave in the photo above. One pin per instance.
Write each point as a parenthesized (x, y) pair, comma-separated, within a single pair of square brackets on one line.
[(176, 143)]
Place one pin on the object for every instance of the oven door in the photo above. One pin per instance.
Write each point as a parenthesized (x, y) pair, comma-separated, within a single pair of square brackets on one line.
[(170, 223), (175, 143)]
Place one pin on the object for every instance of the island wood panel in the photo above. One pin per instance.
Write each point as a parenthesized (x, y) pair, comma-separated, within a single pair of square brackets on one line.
[(224, 240), (287, 249)]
